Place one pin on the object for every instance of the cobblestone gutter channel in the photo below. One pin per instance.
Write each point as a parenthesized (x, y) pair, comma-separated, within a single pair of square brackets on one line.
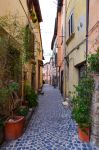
[(51, 127)]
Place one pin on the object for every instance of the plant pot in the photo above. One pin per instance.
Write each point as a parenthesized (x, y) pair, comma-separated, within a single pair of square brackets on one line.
[(14, 128), (83, 134), (1, 135)]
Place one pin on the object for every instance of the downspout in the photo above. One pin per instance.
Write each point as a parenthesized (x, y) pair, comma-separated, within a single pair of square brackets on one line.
[(87, 27), (64, 45)]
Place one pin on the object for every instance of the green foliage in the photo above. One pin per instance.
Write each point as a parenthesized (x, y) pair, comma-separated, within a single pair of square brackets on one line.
[(93, 61), (81, 102), (5, 92), (34, 19), (30, 96), (23, 111), (13, 86), (27, 39), (14, 64), (12, 25), (11, 42)]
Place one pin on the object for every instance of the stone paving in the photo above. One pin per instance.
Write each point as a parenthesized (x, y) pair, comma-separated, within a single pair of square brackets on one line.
[(51, 127)]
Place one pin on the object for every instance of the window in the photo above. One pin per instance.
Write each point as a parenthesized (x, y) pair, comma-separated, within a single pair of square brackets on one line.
[(71, 24)]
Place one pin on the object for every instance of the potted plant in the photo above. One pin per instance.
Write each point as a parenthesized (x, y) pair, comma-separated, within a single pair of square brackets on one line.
[(23, 111), (81, 103), (30, 97), (14, 124)]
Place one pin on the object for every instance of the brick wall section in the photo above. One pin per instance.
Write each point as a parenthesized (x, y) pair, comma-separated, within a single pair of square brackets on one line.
[(95, 112)]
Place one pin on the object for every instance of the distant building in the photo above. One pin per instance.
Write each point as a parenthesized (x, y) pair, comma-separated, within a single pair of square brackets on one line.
[(53, 73), (46, 73), (55, 77)]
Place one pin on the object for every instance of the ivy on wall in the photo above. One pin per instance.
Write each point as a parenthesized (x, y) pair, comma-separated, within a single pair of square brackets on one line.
[(27, 39)]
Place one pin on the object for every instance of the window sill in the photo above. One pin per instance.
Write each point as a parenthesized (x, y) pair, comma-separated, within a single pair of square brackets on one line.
[(70, 38)]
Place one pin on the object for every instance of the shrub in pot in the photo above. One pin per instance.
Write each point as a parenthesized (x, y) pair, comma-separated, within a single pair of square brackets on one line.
[(23, 111), (14, 124), (30, 96), (81, 103)]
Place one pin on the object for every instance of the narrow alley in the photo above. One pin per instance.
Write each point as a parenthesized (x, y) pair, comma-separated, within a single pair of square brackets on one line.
[(51, 127)]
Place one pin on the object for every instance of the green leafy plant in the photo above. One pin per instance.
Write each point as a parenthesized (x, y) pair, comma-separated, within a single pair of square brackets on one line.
[(93, 61), (11, 47), (23, 111), (30, 96), (13, 86), (3, 94), (81, 102), (27, 39), (33, 16), (10, 92)]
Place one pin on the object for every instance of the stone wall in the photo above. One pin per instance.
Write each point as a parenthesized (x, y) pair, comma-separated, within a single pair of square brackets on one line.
[(95, 112)]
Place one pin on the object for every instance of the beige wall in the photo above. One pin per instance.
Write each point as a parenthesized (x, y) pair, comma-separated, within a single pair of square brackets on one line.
[(75, 45), (79, 16), (93, 40), (13, 7), (38, 50)]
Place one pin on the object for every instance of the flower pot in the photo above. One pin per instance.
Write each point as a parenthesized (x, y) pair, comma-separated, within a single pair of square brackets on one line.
[(14, 127), (83, 134)]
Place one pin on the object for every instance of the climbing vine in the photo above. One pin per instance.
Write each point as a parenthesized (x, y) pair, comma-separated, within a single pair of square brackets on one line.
[(11, 48), (27, 46)]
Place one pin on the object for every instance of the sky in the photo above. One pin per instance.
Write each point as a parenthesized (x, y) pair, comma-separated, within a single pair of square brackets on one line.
[(48, 10)]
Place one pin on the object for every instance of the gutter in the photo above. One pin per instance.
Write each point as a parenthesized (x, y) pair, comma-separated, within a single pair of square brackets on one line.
[(87, 27)]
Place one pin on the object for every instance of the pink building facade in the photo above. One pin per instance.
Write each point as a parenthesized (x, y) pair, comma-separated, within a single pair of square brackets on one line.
[(93, 44), (93, 39), (46, 73)]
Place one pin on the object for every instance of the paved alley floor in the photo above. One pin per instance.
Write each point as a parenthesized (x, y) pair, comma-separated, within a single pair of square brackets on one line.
[(50, 128)]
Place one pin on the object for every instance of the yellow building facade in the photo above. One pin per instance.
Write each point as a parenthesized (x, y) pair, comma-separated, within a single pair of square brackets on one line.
[(24, 11), (33, 68), (75, 42)]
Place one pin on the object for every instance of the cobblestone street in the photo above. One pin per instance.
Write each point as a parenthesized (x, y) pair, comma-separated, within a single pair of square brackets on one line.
[(50, 128)]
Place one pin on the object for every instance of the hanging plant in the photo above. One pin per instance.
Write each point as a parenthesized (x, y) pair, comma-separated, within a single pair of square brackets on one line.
[(33, 16)]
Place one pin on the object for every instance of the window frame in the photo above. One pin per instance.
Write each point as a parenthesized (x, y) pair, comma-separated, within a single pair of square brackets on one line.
[(71, 24)]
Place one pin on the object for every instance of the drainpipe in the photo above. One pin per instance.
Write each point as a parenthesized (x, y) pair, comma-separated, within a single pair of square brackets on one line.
[(87, 27), (59, 79), (64, 44)]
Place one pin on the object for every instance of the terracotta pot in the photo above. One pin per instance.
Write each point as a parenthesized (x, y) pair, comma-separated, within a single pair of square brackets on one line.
[(83, 134), (14, 128)]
